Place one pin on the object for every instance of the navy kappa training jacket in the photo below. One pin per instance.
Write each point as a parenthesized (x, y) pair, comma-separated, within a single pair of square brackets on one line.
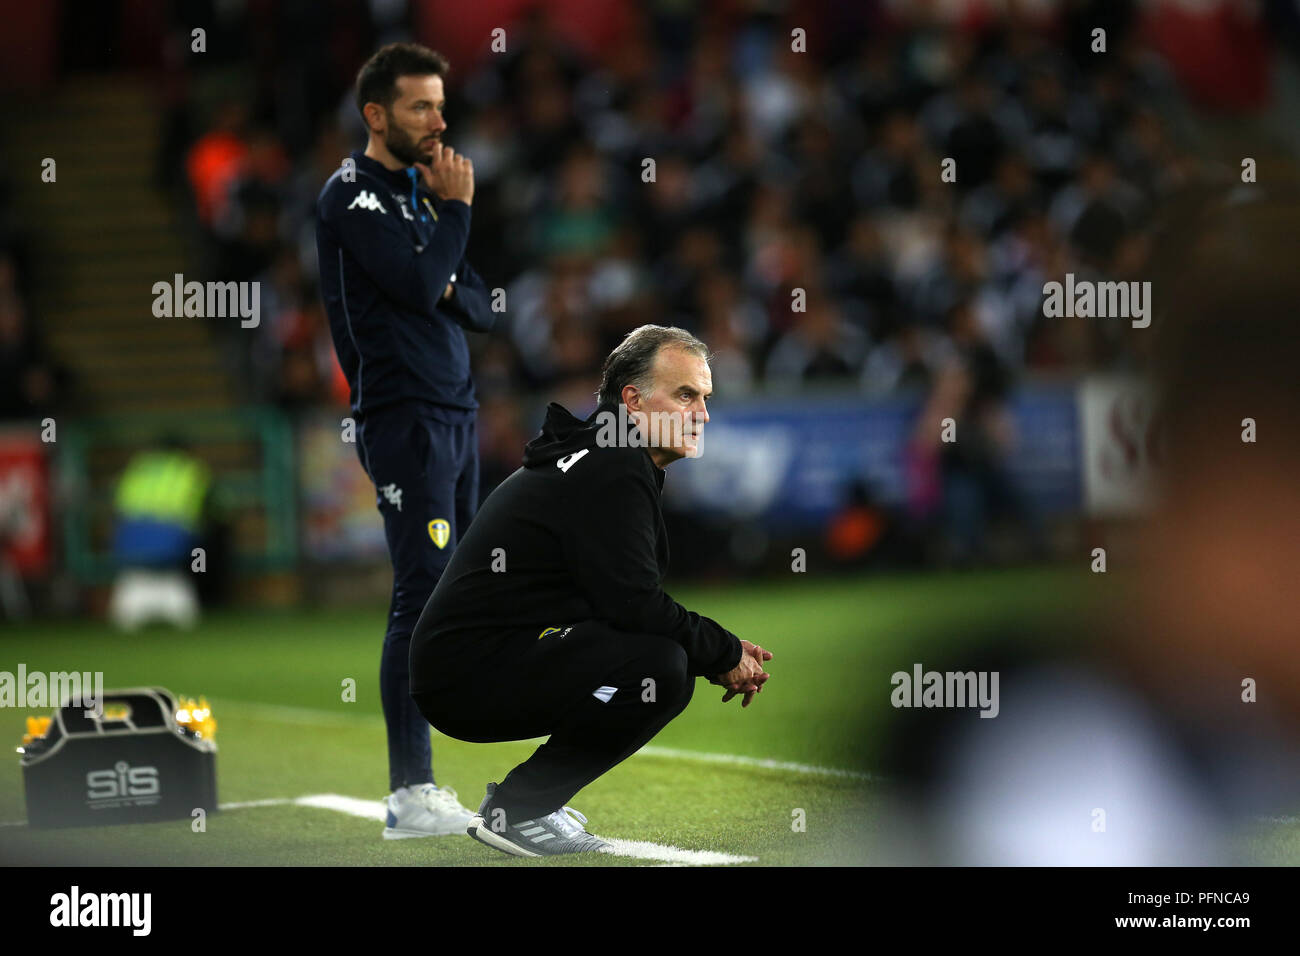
[(387, 249)]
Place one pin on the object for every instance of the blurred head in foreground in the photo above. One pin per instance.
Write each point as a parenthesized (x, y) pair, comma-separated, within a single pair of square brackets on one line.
[(1170, 726)]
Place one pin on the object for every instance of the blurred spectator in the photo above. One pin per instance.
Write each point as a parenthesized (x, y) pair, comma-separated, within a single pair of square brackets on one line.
[(293, 358), (860, 277), (856, 529), (30, 379), (977, 484), (248, 224), (730, 324), (501, 441), (576, 219), (161, 509), (999, 204), (213, 162), (904, 361), (821, 346)]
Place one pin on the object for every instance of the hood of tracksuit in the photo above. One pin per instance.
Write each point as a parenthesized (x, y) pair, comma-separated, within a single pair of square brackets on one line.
[(564, 433)]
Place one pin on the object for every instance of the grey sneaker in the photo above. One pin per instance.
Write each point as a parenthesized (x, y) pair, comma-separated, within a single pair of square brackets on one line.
[(550, 835)]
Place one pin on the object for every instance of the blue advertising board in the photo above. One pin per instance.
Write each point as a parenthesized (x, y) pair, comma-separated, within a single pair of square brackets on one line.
[(789, 462)]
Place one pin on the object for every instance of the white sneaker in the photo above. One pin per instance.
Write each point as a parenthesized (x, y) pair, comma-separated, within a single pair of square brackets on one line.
[(424, 810)]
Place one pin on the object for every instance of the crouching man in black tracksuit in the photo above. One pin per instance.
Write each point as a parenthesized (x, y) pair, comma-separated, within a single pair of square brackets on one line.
[(550, 618)]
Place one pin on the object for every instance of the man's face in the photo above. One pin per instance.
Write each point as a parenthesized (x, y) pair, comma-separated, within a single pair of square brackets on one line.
[(676, 406), (415, 121)]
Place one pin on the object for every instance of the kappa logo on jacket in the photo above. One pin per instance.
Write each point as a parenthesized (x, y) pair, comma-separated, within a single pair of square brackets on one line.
[(367, 200), (393, 494)]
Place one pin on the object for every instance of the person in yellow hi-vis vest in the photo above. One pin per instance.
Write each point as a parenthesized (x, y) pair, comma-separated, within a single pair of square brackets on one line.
[(159, 510)]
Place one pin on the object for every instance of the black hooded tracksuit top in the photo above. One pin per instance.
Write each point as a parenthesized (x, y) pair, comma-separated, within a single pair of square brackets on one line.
[(576, 534)]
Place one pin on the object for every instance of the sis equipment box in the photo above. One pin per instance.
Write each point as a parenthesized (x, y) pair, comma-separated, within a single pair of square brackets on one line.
[(137, 761)]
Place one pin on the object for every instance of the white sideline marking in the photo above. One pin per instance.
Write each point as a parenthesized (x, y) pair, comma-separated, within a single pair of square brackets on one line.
[(767, 764), (671, 855), (368, 809), (307, 715), (374, 810)]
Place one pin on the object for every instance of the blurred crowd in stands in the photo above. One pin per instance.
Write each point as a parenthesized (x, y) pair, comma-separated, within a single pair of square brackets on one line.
[(776, 171), (799, 219)]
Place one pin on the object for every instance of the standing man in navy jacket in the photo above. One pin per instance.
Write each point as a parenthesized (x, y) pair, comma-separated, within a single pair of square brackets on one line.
[(391, 230)]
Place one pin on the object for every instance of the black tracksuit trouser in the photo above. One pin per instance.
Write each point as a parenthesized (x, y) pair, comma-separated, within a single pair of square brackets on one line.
[(599, 693)]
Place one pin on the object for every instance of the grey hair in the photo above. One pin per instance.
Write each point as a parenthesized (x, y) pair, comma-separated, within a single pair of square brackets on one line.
[(632, 361)]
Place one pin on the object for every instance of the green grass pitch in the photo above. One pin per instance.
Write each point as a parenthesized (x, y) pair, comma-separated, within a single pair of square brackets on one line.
[(274, 680)]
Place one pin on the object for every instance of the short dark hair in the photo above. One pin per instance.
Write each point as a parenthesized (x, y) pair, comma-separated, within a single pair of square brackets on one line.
[(632, 361), (377, 79)]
